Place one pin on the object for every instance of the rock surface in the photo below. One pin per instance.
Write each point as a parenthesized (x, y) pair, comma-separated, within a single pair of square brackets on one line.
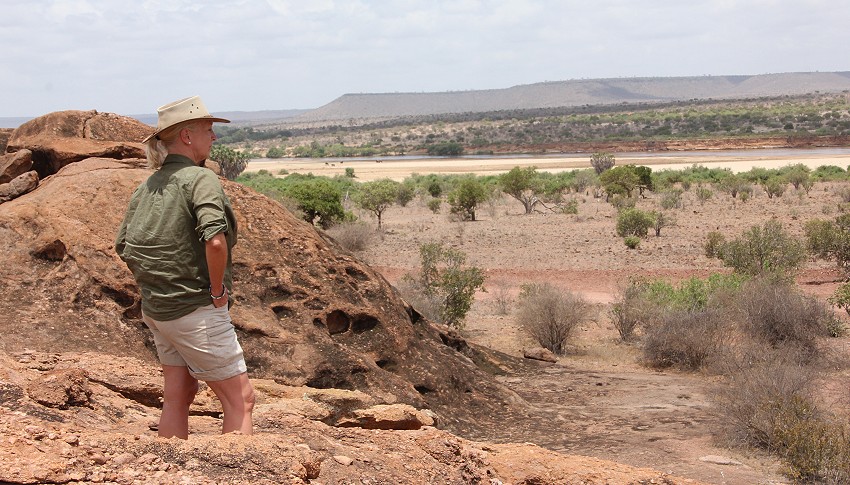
[(14, 164), (539, 353), (19, 186), (64, 137)]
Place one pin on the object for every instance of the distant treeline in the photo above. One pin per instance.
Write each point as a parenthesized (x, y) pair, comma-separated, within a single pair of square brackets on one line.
[(528, 130)]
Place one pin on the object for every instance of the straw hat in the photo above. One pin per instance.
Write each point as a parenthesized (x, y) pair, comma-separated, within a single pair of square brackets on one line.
[(186, 109)]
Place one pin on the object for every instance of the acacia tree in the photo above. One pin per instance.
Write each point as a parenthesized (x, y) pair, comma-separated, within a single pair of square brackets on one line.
[(318, 198), (602, 161), (522, 184), (466, 198), (376, 196)]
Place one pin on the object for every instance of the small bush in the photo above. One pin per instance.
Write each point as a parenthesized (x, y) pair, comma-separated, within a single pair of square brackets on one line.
[(683, 338), (767, 404), (550, 315), (353, 236), (631, 242), (714, 242), (841, 299), (444, 276), (830, 240), (774, 187), (502, 298), (633, 222), (671, 199), (621, 202), (703, 194), (660, 220), (779, 315), (434, 205), (632, 310), (570, 207)]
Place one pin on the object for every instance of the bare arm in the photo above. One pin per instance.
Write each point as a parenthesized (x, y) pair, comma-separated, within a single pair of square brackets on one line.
[(216, 249)]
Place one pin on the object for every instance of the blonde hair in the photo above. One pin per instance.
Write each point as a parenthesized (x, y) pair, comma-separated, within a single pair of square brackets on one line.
[(156, 149)]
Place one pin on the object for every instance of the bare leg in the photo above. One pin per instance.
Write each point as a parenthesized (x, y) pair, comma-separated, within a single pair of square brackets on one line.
[(237, 400), (177, 396)]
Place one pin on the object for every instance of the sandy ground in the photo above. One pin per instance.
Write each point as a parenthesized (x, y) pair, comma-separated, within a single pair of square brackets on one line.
[(373, 169), (598, 400)]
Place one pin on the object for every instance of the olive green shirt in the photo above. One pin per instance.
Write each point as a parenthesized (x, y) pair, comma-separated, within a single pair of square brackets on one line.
[(163, 237)]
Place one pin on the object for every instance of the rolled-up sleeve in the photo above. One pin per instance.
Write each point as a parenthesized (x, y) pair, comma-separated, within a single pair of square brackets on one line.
[(208, 200)]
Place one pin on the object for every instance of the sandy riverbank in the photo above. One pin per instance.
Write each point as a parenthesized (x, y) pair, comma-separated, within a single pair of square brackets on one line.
[(374, 169)]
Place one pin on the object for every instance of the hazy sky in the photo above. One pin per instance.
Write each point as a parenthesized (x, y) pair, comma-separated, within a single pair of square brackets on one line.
[(130, 56)]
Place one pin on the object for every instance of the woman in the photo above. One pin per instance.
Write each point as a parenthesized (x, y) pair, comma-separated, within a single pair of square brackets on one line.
[(176, 238)]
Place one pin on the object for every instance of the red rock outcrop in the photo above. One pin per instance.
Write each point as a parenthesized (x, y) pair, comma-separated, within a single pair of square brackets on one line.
[(307, 312), (64, 137)]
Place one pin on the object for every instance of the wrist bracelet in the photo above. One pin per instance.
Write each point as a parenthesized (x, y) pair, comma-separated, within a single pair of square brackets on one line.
[(219, 297)]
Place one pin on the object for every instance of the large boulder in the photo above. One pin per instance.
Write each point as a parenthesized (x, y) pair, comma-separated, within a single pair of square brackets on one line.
[(64, 137), (19, 186), (14, 164), (307, 312)]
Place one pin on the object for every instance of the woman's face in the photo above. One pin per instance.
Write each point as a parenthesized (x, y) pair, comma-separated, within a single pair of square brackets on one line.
[(202, 138)]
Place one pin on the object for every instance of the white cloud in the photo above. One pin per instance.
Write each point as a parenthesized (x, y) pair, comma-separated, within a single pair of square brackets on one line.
[(131, 56)]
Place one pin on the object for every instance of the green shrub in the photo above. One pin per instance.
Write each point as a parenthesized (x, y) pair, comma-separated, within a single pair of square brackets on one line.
[(713, 246), (633, 222), (766, 249), (434, 205), (660, 220), (570, 207), (275, 152), (703, 194), (446, 149), (631, 242), (774, 186), (445, 278), (830, 240), (550, 315), (621, 202), (467, 196)]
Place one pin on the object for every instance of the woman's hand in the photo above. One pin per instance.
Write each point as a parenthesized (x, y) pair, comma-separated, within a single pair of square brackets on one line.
[(220, 299)]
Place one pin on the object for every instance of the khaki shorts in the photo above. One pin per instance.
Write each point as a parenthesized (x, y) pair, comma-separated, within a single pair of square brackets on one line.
[(204, 341)]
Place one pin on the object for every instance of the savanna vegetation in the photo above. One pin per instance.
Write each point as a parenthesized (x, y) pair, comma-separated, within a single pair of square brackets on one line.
[(554, 129), (749, 326)]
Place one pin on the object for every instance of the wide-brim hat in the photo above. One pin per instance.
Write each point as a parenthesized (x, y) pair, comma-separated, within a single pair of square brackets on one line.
[(186, 109)]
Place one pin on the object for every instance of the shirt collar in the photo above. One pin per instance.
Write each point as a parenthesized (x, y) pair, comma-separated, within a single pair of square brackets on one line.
[(177, 159)]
